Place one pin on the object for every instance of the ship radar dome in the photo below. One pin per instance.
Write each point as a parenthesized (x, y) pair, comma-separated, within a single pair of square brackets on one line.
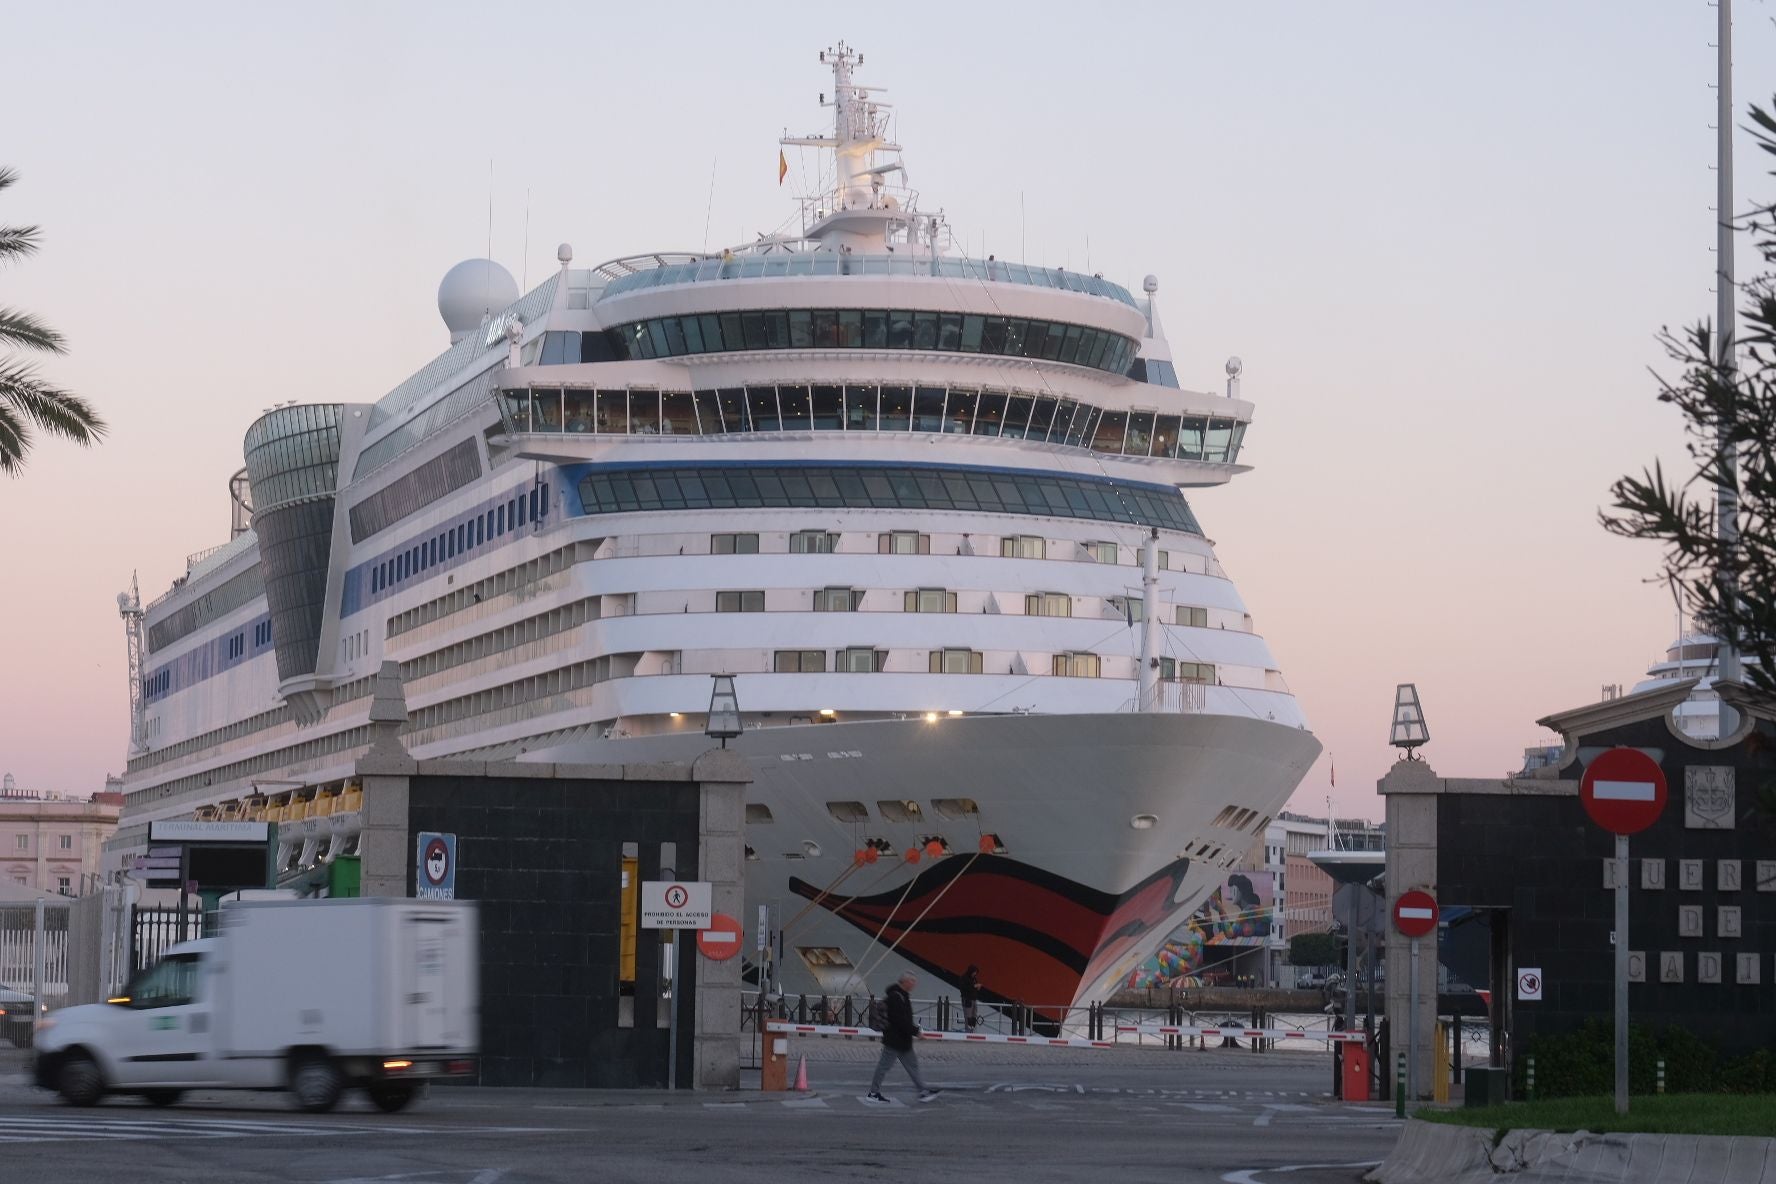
[(564, 253), (1150, 285), (471, 290)]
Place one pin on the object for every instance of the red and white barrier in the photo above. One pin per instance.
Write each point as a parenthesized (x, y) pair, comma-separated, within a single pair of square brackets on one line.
[(783, 1027)]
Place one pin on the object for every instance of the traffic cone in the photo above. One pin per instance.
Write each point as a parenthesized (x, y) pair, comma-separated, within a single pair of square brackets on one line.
[(801, 1082)]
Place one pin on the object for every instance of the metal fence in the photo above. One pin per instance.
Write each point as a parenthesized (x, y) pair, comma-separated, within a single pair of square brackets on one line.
[(154, 929), (34, 951), (1134, 1027)]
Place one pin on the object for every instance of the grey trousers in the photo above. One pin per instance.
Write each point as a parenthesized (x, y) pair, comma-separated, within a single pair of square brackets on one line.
[(909, 1058)]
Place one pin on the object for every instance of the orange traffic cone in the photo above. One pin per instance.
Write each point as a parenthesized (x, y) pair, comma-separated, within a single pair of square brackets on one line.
[(801, 1082)]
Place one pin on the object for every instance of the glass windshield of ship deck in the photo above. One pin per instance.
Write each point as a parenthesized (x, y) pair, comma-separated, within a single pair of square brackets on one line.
[(869, 407)]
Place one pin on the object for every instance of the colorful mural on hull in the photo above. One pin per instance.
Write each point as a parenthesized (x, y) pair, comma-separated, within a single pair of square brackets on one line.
[(1236, 915)]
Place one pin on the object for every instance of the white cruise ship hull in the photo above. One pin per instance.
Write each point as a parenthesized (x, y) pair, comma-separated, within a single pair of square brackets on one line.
[(1112, 828)]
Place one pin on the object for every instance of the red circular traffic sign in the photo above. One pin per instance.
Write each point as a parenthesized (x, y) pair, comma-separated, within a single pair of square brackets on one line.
[(721, 940), (1623, 791), (1415, 913)]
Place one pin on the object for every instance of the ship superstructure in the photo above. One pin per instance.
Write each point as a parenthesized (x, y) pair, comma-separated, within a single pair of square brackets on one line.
[(927, 509)]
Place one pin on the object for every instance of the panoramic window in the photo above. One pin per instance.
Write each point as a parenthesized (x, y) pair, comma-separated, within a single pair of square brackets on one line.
[(739, 602), (608, 489), (860, 660), (930, 600), (957, 662), (1193, 616), (1075, 665), (812, 542), (1023, 546), (1048, 604), (836, 600), (943, 332), (903, 542), (733, 544), (799, 662)]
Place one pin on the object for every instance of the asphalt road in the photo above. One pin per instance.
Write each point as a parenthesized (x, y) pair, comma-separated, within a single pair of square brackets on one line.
[(1022, 1116)]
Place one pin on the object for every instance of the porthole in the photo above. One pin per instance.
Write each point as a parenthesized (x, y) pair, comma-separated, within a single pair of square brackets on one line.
[(1144, 821)]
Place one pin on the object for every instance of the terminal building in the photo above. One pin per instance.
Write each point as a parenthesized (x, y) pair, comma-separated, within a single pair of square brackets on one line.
[(1519, 858)]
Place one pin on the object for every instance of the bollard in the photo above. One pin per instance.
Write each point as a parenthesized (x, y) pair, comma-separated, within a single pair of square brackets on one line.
[(1400, 1087), (1529, 1078), (1659, 1082)]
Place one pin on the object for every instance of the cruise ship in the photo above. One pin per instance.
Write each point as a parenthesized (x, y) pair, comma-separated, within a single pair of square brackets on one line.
[(1003, 705)]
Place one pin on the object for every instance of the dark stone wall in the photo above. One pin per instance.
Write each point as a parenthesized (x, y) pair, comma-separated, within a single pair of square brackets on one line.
[(1542, 858), (543, 856)]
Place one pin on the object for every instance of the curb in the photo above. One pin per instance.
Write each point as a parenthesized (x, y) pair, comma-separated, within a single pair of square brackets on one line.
[(1446, 1154)]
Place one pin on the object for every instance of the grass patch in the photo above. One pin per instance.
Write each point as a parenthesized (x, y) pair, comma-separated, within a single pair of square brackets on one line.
[(1672, 1114)]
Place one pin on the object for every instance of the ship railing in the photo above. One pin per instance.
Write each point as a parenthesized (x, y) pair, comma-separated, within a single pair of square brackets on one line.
[(1189, 698), (793, 258)]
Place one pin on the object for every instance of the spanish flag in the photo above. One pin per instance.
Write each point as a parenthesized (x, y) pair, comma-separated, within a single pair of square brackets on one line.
[(782, 166)]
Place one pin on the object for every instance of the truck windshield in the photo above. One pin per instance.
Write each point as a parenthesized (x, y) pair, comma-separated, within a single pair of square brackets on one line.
[(168, 983)]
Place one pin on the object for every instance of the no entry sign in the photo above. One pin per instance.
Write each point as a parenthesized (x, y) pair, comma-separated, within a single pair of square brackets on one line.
[(721, 940), (1623, 791), (1415, 913)]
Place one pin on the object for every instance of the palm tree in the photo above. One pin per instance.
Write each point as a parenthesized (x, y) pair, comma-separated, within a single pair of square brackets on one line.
[(25, 398)]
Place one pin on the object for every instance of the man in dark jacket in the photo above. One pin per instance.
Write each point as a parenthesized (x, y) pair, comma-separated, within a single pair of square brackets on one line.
[(971, 997), (898, 1035)]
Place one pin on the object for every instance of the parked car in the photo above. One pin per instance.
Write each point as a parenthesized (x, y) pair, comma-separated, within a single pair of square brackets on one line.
[(18, 1015)]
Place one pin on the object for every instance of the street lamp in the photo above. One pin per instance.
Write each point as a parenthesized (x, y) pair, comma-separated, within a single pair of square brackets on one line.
[(724, 710)]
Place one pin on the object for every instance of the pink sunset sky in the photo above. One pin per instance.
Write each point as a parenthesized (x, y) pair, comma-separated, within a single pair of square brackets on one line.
[(1441, 237)]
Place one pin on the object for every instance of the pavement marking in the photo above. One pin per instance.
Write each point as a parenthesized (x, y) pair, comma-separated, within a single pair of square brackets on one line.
[(1250, 1175), (1263, 1119), (1210, 1107), (805, 1104), (724, 1105), (23, 1128)]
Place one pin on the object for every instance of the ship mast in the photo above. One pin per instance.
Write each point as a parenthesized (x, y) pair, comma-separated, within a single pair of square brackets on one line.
[(859, 213), (1726, 511), (129, 607)]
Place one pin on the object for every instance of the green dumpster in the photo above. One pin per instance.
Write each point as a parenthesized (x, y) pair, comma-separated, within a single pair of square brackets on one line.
[(1486, 1086)]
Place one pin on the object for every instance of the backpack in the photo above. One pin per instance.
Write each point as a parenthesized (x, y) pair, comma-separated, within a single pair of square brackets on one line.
[(877, 1015)]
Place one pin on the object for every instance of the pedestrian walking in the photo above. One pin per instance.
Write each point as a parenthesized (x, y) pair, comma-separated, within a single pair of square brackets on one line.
[(971, 997), (898, 1033)]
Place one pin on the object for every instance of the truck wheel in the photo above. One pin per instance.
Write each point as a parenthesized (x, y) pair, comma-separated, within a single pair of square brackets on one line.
[(162, 1097), (390, 1098), (79, 1081), (317, 1083)]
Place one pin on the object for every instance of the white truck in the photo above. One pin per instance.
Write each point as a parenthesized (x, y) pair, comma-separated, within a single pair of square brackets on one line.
[(312, 996)]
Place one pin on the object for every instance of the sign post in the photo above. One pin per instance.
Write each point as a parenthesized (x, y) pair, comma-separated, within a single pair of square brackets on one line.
[(1624, 792), (679, 904), (1415, 914)]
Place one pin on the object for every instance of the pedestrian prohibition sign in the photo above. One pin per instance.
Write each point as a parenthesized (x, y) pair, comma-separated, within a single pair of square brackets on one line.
[(1623, 791), (676, 904), (1415, 913)]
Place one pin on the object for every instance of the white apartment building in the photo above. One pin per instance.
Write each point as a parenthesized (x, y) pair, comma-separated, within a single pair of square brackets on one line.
[(54, 842)]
